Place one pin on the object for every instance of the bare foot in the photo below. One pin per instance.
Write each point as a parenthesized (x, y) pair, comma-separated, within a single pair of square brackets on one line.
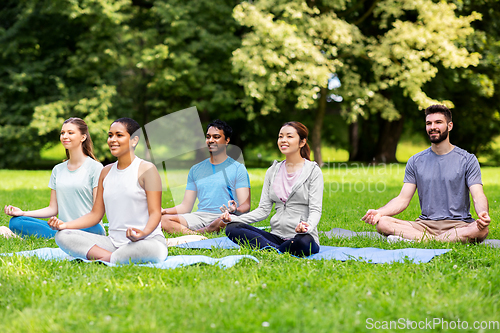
[(184, 239), (98, 253), (7, 233), (216, 226)]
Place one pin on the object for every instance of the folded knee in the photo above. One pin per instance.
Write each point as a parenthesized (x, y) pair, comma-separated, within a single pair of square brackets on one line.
[(60, 236), (300, 245), (169, 224), (165, 219), (14, 221), (17, 223), (233, 227), (303, 239), (64, 237)]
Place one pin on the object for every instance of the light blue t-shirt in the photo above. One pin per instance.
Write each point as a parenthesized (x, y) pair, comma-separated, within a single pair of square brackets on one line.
[(216, 184), (443, 183), (74, 188)]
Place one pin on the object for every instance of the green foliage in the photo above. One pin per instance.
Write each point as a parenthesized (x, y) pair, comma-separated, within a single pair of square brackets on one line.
[(476, 90), (262, 60), (59, 60), (99, 60), (197, 71), (289, 53), (294, 46), (383, 52)]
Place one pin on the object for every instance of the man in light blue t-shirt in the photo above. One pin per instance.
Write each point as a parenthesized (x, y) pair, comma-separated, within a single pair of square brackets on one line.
[(216, 182), (444, 176)]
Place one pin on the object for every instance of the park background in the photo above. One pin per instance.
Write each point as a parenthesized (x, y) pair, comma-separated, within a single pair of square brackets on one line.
[(357, 73)]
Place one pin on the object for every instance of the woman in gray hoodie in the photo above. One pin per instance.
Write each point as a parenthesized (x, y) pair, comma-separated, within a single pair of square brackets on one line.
[(295, 186)]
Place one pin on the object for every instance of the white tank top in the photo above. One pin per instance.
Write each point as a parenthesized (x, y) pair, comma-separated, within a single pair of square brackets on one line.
[(125, 202)]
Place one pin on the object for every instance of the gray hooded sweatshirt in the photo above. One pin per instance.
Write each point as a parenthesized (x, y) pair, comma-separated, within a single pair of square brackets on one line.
[(304, 202)]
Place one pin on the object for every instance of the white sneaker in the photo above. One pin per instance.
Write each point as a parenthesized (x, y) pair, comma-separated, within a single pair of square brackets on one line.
[(394, 239)]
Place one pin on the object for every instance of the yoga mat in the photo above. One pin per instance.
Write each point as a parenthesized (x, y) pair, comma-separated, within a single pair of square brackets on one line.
[(377, 256), (339, 232), (491, 242), (218, 243), (170, 262), (367, 254)]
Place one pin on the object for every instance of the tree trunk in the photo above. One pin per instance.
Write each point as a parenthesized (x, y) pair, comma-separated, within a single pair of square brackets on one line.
[(144, 110), (353, 139), (363, 140), (389, 135), (374, 140), (318, 125)]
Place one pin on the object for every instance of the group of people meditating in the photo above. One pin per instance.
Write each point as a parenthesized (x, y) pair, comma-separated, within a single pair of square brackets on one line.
[(129, 192)]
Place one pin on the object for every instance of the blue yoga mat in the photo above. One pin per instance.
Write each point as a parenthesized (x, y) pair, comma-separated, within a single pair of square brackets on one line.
[(217, 243), (367, 254), (171, 261), (377, 256)]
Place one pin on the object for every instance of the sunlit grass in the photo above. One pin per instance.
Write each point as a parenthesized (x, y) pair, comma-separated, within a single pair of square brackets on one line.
[(279, 294), (407, 149)]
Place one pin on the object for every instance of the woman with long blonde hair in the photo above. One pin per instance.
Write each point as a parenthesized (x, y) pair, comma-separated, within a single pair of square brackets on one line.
[(73, 186)]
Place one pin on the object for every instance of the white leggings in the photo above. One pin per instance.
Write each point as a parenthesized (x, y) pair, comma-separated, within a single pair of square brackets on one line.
[(77, 243)]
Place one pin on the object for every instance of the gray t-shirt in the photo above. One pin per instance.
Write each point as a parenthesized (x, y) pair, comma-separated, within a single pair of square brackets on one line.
[(74, 188), (443, 183)]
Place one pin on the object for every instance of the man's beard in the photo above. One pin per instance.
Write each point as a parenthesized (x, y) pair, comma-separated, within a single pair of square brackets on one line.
[(440, 138)]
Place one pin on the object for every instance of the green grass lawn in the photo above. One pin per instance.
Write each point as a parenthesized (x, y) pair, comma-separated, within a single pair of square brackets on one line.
[(279, 294)]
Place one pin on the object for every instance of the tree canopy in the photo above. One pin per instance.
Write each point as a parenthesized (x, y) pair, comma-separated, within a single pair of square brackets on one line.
[(381, 51), (252, 63)]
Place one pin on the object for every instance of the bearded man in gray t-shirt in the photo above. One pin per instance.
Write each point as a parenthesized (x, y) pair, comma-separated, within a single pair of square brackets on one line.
[(444, 176)]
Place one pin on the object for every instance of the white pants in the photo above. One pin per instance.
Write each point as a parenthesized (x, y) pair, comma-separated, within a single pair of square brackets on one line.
[(77, 243)]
